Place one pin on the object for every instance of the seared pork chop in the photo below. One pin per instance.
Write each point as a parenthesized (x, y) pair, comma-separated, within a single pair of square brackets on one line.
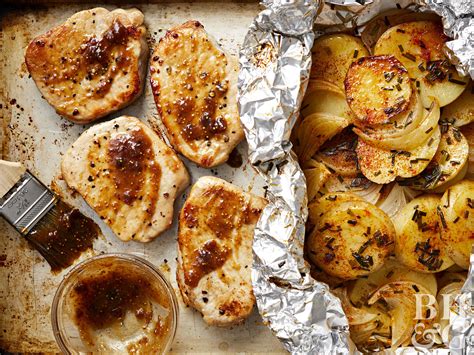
[(195, 88), (91, 65), (216, 228), (128, 175)]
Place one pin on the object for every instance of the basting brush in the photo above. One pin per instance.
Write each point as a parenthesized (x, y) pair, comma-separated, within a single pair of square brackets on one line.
[(57, 231)]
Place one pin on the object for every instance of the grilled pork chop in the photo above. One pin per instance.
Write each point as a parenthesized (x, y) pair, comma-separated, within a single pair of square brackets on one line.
[(91, 65), (216, 227), (128, 175), (194, 84)]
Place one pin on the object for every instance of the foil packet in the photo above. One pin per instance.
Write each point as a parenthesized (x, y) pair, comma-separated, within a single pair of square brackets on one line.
[(275, 61)]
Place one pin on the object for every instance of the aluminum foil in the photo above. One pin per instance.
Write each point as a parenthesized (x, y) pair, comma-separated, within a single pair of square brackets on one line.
[(274, 69)]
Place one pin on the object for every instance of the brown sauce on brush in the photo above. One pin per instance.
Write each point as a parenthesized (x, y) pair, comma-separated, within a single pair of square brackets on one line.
[(63, 235)]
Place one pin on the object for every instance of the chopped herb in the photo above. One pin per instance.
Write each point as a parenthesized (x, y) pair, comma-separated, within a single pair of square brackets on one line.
[(399, 30), (328, 257), (429, 256), (388, 76), (364, 246), (356, 53), (352, 222), (331, 198), (325, 227), (470, 202), (457, 135), (364, 262), (368, 230), (429, 130), (387, 22), (456, 219), (415, 288), (421, 67), (430, 142), (417, 160), (340, 178), (455, 162), (455, 81), (441, 216), (401, 48), (399, 88), (417, 83), (329, 244), (387, 88), (409, 56), (389, 274), (466, 214)]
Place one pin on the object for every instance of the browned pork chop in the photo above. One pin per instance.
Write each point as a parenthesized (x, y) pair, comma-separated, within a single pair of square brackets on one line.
[(128, 175), (216, 228), (195, 88), (91, 65)]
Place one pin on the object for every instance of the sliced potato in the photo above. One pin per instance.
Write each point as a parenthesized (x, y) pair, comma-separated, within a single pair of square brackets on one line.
[(461, 111), (339, 154), (456, 214), (418, 244), (447, 164), (419, 46), (362, 289), (447, 277), (350, 239), (382, 22), (383, 166), (377, 89), (411, 138), (468, 132), (400, 299), (316, 176), (333, 54), (325, 101), (316, 129), (317, 208), (359, 185)]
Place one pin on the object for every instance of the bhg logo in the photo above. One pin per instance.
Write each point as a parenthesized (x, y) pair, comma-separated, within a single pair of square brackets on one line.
[(434, 321)]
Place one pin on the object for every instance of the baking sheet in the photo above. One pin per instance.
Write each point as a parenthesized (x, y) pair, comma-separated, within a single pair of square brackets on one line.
[(35, 135)]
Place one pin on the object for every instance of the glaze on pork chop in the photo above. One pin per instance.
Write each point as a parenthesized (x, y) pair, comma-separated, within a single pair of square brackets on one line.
[(194, 84), (91, 65), (216, 228), (128, 175)]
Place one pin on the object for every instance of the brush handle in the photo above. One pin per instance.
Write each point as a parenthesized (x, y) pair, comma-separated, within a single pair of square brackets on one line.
[(10, 173)]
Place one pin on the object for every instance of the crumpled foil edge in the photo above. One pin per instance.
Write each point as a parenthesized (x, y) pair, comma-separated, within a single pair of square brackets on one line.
[(274, 68)]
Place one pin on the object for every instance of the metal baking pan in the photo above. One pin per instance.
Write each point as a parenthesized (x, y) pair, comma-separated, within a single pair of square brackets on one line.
[(31, 132)]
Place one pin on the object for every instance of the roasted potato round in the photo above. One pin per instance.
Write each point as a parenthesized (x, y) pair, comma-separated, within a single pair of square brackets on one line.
[(461, 111), (350, 238), (333, 54), (418, 243), (456, 216), (468, 132), (419, 46), (377, 89), (383, 166), (448, 165)]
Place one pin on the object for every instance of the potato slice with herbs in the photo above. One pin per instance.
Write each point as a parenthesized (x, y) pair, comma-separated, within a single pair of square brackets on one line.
[(377, 89), (460, 112), (350, 239), (456, 215), (418, 244), (468, 132), (325, 101), (448, 163), (383, 166), (317, 208), (362, 289), (419, 46), (316, 176), (316, 129), (401, 302), (339, 154), (411, 138), (333, 54)]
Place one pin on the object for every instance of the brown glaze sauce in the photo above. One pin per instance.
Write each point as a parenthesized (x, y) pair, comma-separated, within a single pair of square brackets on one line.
[(130, 156), (63, 236), (206, 259)]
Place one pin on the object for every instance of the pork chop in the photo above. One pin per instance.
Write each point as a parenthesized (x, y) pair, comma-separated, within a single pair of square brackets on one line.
[(128, 175), (194, 84), (215, 236), (91, 65)]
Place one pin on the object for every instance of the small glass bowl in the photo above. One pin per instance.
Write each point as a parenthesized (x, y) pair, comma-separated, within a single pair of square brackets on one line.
[(67, 332)]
